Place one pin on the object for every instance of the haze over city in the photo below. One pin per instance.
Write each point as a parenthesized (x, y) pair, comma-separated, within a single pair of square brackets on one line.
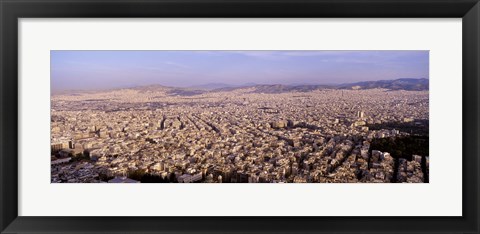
[(85, 70)]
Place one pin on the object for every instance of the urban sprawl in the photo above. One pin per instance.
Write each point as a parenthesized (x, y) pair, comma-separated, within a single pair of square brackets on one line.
[(153, 134)]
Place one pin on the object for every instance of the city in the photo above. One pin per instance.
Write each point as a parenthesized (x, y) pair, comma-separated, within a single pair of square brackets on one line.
[(252, 116), (251, 134)]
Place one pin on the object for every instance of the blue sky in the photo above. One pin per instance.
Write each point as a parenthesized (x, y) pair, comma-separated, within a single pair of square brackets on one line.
[(115, 69)]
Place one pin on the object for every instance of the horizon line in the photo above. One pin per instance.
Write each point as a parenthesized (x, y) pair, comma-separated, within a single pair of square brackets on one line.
[(244, 85)]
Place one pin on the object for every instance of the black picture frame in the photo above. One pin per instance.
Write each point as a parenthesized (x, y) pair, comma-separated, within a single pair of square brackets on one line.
[(12, 10)]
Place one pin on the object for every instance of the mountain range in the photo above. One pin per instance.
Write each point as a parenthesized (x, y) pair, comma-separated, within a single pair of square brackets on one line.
[(398, 84), (410, 84)]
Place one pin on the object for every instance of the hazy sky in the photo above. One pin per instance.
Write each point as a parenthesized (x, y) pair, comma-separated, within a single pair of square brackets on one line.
[(113, 69)]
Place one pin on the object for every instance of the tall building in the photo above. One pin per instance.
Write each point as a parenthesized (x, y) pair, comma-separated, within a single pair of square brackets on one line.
[(360, 114)]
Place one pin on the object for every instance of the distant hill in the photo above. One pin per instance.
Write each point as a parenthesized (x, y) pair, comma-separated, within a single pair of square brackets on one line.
[(185, 92), (153, 87), (277, 88), (221, 86), (212, 86), (410, 84), (398, 84)]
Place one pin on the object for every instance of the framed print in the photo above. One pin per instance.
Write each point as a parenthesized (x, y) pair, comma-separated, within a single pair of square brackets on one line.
[(254, 116)]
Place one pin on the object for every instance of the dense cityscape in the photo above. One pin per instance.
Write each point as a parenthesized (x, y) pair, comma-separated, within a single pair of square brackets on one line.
[(252, 134)]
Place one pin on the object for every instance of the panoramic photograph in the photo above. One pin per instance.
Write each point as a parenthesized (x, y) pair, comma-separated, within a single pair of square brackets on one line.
[(219, 116)]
